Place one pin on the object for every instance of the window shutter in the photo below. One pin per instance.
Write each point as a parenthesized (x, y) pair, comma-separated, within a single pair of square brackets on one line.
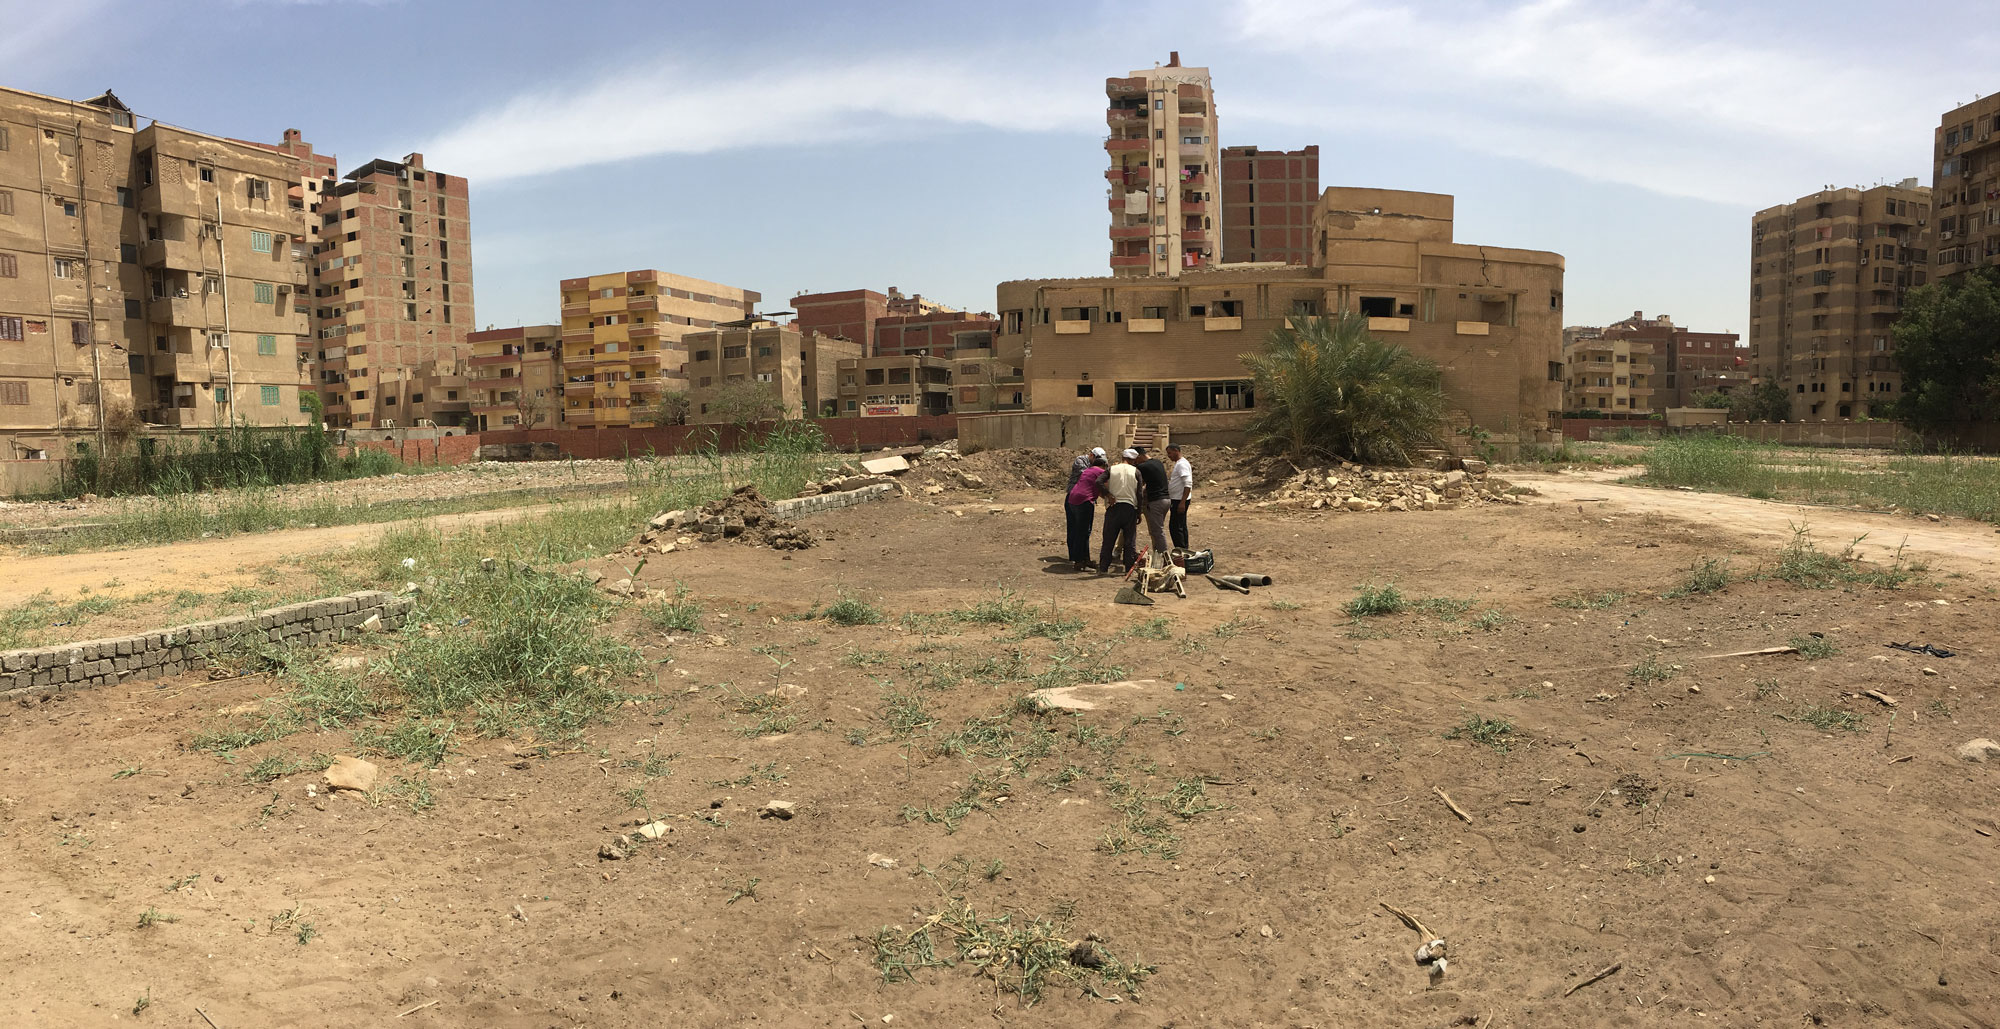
[(267, 346), (269, 394), (10, 328), (14, 393), (10, 267)]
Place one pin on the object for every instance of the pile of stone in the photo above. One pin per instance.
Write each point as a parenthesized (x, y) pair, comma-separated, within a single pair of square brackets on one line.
[(742, 516), (1351, 487)]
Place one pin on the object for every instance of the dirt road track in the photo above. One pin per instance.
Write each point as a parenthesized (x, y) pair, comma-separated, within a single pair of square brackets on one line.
[(1967, 546), (200, 564)]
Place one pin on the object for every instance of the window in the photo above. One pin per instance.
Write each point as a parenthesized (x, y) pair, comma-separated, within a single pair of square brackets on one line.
[(222, 394), (260, 189), (6, 201), (730, 353), (79, 333), (69, 207), (1224, 396), (211, 284), (1156, 313), (10, 328), (3, 137), (124, 196), (1145, 396), (416, 398), (128, 253), (703, 355), (9, 266), (1378, 307), (1086, 390), (13, 393), (66, 268), (208, 175), (267, 346), (409, 312), (132, 309), (265, 292), (268, 395), (260, 241), (763, 351)]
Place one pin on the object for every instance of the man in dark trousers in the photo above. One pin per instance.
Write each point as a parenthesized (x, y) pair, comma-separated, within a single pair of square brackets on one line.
[(1153, 480), (1180, 490), (1120, 485)]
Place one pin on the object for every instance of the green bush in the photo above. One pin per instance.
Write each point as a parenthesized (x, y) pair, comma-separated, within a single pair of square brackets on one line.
[(1327, 389)]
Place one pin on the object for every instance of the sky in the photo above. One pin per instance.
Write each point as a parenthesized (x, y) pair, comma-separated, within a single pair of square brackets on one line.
[(943, 148)]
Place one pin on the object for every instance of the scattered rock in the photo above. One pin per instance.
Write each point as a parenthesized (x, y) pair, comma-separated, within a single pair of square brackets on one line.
[(781, 810), (1930, 671), (885, 466), (881, 861), (1089, 696), (1980, 749), (654, 830), (373, 623), (1473, 466), (351, 773), (618, 849)]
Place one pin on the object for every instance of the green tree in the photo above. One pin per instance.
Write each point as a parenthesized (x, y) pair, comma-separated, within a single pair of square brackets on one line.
[(1327, 388), (745, 402), (1948, 347), (1764, 402), (671, 409), (1714, 398)]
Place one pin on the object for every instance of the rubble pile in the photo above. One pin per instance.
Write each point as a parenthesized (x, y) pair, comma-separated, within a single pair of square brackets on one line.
[(741, 516), (1351, 487)]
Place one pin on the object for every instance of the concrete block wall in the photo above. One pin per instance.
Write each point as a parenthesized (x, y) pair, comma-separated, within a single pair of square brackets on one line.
[(150, 655), (792, 509)]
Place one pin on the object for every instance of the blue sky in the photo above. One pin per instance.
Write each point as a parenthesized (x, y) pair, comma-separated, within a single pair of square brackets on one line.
[(943, 148)]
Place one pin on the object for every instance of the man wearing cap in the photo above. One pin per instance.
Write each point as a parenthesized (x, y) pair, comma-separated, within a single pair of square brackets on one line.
[(1120, 486), (1080, 511), (1094, 457), (1153, 480), (1180, 490)]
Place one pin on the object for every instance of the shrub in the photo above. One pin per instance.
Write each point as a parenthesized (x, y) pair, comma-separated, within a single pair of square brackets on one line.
[(1328, 389), (1370, 600)]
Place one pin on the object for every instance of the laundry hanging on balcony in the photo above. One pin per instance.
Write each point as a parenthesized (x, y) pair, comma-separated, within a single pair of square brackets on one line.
[(1135, 202)]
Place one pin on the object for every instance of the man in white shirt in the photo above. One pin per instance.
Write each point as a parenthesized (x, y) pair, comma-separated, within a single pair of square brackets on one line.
[(1180, 490), (1121, 523)]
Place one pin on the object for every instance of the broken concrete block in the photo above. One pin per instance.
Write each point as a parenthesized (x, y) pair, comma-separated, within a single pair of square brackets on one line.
[(351, 773), (782, 810), (885, 465)]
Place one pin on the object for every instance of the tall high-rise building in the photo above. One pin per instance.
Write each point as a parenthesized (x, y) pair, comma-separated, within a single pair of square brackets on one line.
[(621, 340), (1163, 166), (1268, 198), (147, 275), (1827, 277), (392, 286), (1965, 186)]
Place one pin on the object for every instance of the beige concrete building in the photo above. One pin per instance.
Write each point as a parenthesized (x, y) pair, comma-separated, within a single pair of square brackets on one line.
[(1491, 318), (875, 387), (622, 340), (1827, 277), (1164, 160), (515, 378), (800, 371), (147, 275), (434, 393), (1965, 186), (1614, 376)]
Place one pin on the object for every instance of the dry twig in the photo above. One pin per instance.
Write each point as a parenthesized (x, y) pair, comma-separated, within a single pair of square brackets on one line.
[(1601, 973), (1453, 805)]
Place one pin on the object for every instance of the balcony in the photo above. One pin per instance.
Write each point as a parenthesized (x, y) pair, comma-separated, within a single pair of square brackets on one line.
[(1146, 325), (172, 253), (1131, 231), (1117, 146), (1194, 235), (479, 360), (1080, 327), (650, 330), (178, 311), (646, 358), (1193, 206), (579, 389), (1388, 325), (497, 382), (1223, 324), (1129, 174), (1472, 328), (1130, 260), (1194, 181), (1117, 116)]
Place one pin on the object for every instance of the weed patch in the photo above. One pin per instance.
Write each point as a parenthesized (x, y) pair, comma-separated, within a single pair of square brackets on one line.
[(1371, 600), (1492, 732)]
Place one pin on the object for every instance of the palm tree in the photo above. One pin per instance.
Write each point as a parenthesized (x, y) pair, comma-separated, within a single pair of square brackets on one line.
[(1326, 389)]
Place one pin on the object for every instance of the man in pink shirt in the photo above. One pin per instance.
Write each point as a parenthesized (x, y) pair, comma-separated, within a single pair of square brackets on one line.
[(1080, 509)]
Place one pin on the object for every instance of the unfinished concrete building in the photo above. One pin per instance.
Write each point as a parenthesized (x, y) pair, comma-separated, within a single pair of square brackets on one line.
[(798, 372), (147, 276), (1268, 197), (515, 377), (1163, 166), (894, 385), (1491, 318), (1827, 277), (392, 286), (622, 338), (1965, 186)]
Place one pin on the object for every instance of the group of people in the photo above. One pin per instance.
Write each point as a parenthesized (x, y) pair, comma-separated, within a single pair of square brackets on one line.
[(1134, 485)]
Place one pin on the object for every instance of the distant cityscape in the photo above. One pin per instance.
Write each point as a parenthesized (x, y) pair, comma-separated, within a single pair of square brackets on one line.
[(155, 278)]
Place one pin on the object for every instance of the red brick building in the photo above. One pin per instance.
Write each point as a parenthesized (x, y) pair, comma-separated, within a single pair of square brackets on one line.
[(1268, 198), (1686, 364), (848, 314), (936, 335)]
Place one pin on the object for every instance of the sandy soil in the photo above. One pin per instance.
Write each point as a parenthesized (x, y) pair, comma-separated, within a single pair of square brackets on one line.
[(1815, 880)]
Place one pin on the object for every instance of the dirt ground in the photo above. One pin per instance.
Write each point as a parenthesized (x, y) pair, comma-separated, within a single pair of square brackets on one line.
[(1739, 866)]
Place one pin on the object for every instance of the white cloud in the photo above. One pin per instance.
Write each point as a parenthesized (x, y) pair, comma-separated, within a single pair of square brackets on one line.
[(681, 109), (1658, 93)]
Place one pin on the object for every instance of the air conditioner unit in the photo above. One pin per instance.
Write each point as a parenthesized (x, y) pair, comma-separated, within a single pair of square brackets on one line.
[(282, 288)]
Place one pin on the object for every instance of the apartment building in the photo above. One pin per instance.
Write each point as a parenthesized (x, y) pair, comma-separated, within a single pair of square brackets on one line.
[(1490, 317), (1613, 375), (1965, 186), (1685, 364), (392, 286), (887, 386), (800, 371), (148, 275), (1163, 166), (622, 336), (848, 314), (938, 334), (1827, 277), (1268, 198), (915, 304), (515, 378)]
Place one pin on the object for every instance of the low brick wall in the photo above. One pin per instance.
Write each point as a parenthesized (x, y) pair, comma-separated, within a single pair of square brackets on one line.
[(791, 509), (149, 655)]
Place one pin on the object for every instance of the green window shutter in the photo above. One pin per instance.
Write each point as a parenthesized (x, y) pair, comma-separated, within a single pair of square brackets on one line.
[(260, 242), (222, 394), (266, 293), (267, 346), (270, 395)]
